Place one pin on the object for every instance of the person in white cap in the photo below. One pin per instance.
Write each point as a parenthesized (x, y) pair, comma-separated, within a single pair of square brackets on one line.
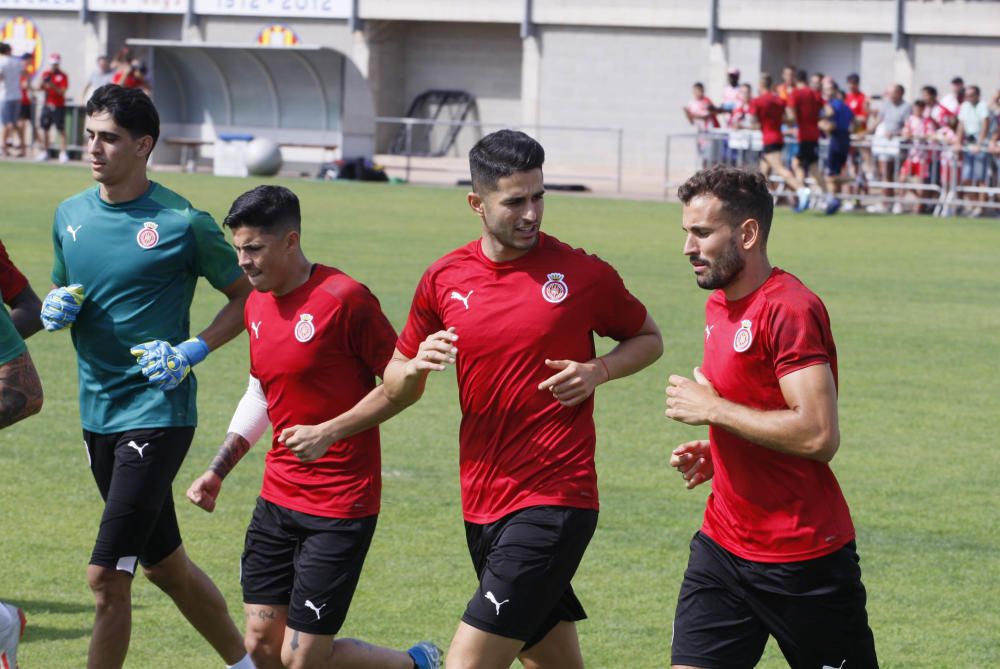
[(54, 84)]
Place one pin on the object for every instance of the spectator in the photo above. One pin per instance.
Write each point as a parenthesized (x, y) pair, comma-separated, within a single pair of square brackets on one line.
[(99, 77), (54, 84), (787, 84), (946, 140), (933, 109), (700, 113), (133, 77), (953, 100), (731, 96), (816, 82), (741, 118), (26, 114), (861, 164), (973, 123), (10, 95), (917, 131), (892, 115), (838, 119)]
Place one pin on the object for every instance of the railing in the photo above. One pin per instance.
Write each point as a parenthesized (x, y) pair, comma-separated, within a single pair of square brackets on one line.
[(572, 153), (933, 176)]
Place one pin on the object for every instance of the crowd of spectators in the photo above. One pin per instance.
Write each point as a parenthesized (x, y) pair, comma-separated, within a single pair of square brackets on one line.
[(913, 151), (26, 123)]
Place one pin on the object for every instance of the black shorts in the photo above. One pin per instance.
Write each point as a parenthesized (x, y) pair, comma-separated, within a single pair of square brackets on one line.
[(808, 154), (773, 148), (836, 160), (525, 562), (53, 116), (728, 606), (134, 471), (310, 564), (24, 113)]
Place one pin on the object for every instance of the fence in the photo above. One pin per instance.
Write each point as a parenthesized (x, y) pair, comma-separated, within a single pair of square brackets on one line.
[(437, 150), (931, 177)]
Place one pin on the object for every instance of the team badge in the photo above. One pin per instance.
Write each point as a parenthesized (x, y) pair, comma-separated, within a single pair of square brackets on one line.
[(743, 338), (148, 236), (555, 289), (304, 329)]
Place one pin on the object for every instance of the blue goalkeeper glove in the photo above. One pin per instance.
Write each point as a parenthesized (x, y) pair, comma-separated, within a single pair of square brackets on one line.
[(61, 306), (166, 366)]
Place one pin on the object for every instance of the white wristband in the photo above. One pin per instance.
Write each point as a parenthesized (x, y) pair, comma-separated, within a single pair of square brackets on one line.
[(250, 418)]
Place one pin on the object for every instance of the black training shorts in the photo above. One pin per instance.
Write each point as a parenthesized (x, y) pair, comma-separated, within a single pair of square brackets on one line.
[(525, 562), (777, 147), (815, 610), (808, 154), (134, 471), (310, 564), (53, 116)]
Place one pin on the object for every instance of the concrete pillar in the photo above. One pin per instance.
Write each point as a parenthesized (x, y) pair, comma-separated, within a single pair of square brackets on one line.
[(531, 79), (718, 63), (903, 70), (361, 51)]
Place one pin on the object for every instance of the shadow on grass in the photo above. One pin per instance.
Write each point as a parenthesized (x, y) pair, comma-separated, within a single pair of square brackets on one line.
[(35, 608), (41, 633)]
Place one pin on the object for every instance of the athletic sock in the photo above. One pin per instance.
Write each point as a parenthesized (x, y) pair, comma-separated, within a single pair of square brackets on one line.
[(245, 663)]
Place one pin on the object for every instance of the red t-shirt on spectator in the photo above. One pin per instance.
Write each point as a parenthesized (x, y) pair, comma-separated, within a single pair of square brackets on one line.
[(518, 446), (126, 79), (770, 111), (12, 281), (807, 104), (58, 80), (316, 352), (856, 103), (768, 506)]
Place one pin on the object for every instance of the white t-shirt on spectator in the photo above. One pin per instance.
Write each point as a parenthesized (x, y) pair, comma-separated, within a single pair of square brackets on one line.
[(11, 84), (972, 118)]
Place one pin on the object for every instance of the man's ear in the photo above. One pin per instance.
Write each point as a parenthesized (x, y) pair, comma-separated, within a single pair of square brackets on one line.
[(750, 230), (475, 202), (144, 146)]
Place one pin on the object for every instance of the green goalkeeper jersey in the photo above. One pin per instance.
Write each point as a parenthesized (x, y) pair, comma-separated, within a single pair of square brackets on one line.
[(11, 344), (138, 263)]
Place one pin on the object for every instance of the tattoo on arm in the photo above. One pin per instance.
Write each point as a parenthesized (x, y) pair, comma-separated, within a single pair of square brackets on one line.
[(233, 449), (20, 390), (295, 640)]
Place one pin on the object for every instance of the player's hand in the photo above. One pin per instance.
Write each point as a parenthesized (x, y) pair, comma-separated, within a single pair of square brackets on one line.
[(61, 306), (306, 442), (574, 381), (690, 401), (205, 491), (436, 352), (694, 462), (166, 366)]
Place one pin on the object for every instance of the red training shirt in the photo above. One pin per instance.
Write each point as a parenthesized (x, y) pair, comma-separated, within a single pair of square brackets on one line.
[(768, 506), (316, 352), (12, 281), (770, 111), (856, 103), (807, 104), (55, 80), (518, 447)]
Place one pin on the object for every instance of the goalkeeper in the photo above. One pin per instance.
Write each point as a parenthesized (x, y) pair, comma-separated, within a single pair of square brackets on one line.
[(128, 254)]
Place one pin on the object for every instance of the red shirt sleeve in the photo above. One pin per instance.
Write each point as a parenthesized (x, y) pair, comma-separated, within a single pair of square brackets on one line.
[(800, 335), (12, 281), (423, 319), (371, 336), (620, 314)]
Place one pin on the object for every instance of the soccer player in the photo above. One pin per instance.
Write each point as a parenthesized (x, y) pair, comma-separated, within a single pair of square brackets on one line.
[(19, 296), (776, 552), (318, 338), (20, 397), (127, 256), (838, 118), (515, 312), (804, 106), (769, 110)]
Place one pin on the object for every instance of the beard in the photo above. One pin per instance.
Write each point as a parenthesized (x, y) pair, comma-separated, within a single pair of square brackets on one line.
[(724, 269)]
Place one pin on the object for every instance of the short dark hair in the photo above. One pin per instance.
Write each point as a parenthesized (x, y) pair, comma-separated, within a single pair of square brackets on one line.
[(130, 108), (743, 194), (853, 78), (271, 208), (501, 154), (958, 80), (930, 90), (973, 87), (802, 75), (698, 84), (766, 81), (4, 48)]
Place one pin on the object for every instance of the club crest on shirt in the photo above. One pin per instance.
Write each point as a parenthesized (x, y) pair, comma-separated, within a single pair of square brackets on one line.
[(304, 329), (555, 289), (743, 338), (147, 237)]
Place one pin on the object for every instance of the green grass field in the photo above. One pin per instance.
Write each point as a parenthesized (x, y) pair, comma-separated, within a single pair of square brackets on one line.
[(916, 313)]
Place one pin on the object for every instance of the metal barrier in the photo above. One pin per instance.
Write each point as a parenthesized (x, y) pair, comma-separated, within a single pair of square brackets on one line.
[(579, 154), (924, 173)]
